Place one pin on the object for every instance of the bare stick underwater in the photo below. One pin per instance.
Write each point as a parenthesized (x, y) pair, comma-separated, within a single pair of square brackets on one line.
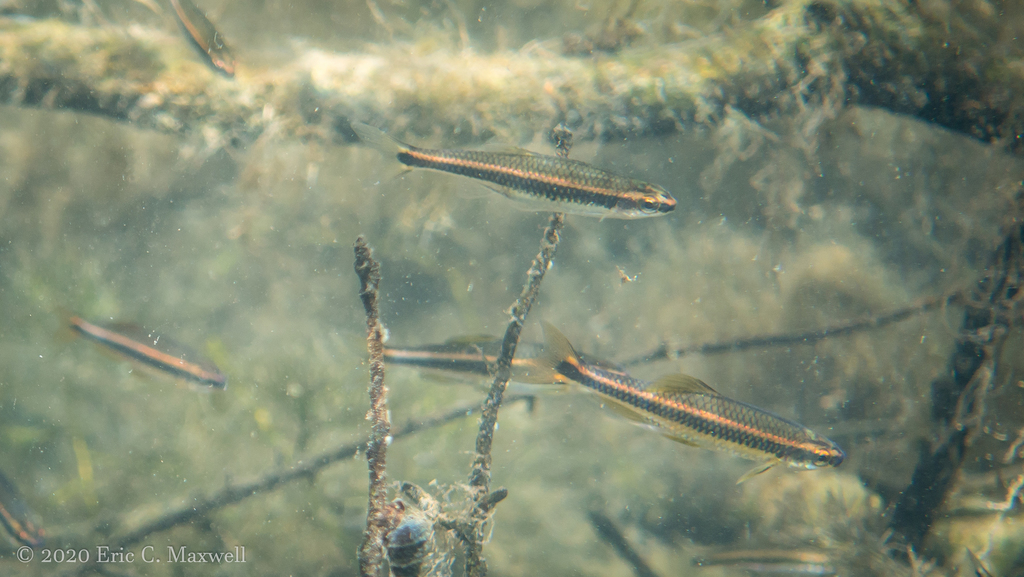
[(669, 352), (480, 476)]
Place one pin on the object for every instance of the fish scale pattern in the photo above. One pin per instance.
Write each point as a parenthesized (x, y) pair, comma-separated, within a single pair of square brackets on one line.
[(548, 177)]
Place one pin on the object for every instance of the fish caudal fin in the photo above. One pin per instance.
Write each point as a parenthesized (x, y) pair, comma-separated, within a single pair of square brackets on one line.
[(558, 353), (376, 138)]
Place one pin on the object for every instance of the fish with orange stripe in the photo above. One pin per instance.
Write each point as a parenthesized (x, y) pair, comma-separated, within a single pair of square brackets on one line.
[(535, 181), (688, 411), (16, 517), (476, 356), (204, 36), (152, 350)]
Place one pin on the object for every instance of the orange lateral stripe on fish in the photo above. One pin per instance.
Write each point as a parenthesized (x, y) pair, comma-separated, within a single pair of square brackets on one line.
[(476, 356), (687, 410), (535, 181), (16, 517), (177, 365), (204, 36)]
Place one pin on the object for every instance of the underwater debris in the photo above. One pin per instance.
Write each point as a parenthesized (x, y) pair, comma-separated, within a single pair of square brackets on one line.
[(688, 411), (958, 395), (612, 35), (153, 350), (411, 545), (535, 181)]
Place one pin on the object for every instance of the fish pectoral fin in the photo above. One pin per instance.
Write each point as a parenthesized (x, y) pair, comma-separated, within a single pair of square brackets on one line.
[(502, 190), (680, 383), (757, 470), (624, 410), (534, 371), (681, 440)]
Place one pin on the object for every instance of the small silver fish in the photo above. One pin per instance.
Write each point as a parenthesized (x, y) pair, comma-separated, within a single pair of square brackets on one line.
[(688, 411), (535, 181)]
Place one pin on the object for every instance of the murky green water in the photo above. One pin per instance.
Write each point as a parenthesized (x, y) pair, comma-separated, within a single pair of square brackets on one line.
[(246, 255)]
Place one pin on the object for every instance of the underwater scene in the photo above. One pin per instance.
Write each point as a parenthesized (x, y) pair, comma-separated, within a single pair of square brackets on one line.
[(695, 287)]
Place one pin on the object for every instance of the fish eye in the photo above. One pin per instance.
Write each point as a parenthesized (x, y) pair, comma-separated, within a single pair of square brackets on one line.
[(649, 204), (821, 459)]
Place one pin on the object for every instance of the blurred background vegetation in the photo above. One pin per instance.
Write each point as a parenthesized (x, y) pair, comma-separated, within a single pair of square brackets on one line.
[(785, 223)]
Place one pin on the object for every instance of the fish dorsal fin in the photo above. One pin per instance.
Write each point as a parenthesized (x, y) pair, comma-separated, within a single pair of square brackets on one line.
[(757, 470), (502, 148), (680, 384), (465, 340)]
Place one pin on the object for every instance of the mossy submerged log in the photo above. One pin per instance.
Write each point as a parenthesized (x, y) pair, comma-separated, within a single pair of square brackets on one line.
[(895, 55)]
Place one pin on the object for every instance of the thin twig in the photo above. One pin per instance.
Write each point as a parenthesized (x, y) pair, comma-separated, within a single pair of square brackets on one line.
[(380, 518), (480, 476), (610, 534), (472, 534), (665, 352)]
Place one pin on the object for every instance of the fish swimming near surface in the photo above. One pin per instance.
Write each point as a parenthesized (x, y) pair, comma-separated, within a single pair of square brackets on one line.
[(475, 356), (204, 36), (19, 521), (688, 411), (154, 351), (535, 181)]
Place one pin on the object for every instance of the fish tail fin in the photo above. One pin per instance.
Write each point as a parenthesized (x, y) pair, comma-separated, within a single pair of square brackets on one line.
[(559, 357), (68, 329), (376, 138)]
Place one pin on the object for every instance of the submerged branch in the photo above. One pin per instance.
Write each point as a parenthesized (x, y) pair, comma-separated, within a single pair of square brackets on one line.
[(958, 396), (610, 534), (829, 53), (380, 518), (480, 476), (668, 352)]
